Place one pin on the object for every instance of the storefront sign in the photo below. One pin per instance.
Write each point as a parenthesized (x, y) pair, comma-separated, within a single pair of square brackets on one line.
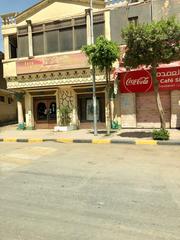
[(169, 78), (141, 80), (52, 63)]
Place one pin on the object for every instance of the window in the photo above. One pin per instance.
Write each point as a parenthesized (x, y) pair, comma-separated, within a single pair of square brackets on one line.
[(23, 47), (38, 39), (98, 25), (23, 50), (2, 99), (38, 44), (80, 33), (66, 40), (52, 40), (98, 30), (58, 36), (133, 20), (13, 46), (80, 37)]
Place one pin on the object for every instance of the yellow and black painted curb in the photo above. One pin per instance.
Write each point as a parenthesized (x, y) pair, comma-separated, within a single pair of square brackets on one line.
[(93, 141)]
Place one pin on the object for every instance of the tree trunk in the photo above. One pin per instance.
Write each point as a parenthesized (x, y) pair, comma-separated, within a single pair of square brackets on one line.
[(108, 108), (157, 96)]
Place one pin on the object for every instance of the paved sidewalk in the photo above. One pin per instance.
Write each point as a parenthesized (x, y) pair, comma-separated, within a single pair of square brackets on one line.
[(134, 136)]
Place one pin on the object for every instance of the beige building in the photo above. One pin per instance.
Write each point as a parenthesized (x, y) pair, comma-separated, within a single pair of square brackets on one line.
[(45, 67), (7, 100)]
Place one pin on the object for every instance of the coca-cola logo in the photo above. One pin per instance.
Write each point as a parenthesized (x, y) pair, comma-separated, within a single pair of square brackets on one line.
[(137, 81)]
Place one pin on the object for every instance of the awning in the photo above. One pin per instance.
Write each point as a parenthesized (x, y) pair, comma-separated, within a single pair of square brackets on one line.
[(140, 80)]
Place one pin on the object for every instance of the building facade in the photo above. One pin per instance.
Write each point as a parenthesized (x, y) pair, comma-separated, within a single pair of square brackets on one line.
[(44, 64), (138, 108), (8, 110)]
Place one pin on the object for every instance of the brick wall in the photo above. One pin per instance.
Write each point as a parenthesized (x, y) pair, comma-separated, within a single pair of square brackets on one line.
[(147, 112), (140, 110)]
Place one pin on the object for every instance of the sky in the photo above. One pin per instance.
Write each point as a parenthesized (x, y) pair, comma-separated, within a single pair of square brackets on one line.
[(7, 6)]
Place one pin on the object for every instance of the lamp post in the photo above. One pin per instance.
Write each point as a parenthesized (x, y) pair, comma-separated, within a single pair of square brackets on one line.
[(93, 73)]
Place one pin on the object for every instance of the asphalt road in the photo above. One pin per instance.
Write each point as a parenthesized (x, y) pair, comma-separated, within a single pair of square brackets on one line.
[(54, 191)]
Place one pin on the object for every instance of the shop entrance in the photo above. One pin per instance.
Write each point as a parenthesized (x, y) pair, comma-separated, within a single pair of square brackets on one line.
[(85, 109), (45, 112)]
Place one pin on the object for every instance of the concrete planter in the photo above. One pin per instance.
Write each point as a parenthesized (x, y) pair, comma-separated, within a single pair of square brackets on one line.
[(64, 128)]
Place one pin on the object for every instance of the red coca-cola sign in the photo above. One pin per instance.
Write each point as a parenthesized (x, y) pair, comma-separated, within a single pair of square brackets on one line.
[(136, 81), (140, 80)]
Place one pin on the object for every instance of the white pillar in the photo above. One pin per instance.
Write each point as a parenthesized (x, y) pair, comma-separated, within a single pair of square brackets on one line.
[(112, 109), (106, 108), (29, 111), (117, 109), (107, 25), (20, 115), (6, 47), (30, 42), (88, 26), (58, 120), (75, 120)]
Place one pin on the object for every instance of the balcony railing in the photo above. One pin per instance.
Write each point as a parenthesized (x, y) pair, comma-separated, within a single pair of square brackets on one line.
[(8, 19)]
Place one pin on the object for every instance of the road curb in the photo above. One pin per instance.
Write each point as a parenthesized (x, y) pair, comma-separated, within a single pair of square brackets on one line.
[(170, 142), (144, 142), (22, 140), (92, 141), (9, 140), (121, 141), (82, 140)]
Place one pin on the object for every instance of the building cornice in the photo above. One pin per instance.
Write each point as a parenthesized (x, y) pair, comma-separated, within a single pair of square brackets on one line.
[(49, 79), (37, 7)]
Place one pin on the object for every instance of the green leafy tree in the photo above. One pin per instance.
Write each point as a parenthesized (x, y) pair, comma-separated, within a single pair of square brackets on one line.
[(150, 45), (102, 55)]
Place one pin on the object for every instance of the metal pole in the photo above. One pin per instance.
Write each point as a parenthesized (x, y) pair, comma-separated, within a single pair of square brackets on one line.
[(93, 73)]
